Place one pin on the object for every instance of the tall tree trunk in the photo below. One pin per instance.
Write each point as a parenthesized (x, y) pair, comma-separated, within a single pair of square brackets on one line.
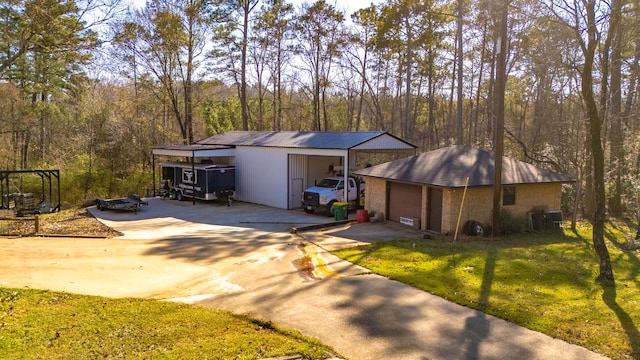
[(43, 129), (634, 68), (431, 125), (277, 91), (396, 107), (325, 116), (459, 135), (501, 81), (576, 200), (589, 50), (448, 127), (363, 84), (476, 115), (539, 117), (316, 91), (274, 99), (243, 67), (617, 137), (188, 101), (24, 154), (491, 111), (408, 125)]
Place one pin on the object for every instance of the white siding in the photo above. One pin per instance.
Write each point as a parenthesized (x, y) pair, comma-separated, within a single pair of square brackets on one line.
[(270, 175), (297, 174), (261, 176)]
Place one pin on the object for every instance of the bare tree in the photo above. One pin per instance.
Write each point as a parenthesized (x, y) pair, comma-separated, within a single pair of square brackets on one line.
[(582, 19), (168, 37), (321, 39), (272, 32)]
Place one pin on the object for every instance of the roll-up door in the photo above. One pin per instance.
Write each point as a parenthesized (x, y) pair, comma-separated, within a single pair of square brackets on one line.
[(404, 200), (297, 173)]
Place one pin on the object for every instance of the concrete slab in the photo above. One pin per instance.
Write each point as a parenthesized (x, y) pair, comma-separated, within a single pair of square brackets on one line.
[(164, 217), (244, 259), (354, 234)]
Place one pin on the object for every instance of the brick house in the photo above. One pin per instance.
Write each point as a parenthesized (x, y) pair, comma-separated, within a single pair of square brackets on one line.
[(428, 188)]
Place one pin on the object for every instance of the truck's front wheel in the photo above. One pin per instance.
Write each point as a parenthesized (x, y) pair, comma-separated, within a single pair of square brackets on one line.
[(329, 210), (307, 210)]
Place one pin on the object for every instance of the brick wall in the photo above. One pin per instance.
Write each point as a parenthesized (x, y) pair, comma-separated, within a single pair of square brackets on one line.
[(376, 195), (478, 202)]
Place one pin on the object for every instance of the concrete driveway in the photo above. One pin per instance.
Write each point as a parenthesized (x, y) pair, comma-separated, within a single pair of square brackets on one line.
[(244, 259)]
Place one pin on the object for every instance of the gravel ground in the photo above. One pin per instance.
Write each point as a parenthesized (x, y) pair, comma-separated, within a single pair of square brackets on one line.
[(72, 222)]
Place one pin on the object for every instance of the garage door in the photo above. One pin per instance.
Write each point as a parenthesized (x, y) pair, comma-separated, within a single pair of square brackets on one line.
[(404, 200)]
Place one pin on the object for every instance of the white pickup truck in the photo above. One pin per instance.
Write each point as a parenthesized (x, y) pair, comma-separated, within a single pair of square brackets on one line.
[(324, 194)]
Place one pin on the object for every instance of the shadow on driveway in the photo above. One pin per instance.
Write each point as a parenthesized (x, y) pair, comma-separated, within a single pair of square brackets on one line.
[(249, 263)]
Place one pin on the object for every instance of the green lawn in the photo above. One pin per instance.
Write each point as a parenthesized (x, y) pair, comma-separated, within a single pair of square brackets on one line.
[(543, 281), (37, 324)]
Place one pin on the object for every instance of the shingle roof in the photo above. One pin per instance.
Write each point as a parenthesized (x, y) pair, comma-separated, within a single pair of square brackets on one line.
[(450, 166), (295, 139)]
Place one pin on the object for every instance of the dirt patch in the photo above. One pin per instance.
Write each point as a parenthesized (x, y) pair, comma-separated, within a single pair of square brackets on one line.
[(72, 222)]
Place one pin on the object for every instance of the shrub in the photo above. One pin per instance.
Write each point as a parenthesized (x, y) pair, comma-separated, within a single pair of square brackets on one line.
[(510, 224)]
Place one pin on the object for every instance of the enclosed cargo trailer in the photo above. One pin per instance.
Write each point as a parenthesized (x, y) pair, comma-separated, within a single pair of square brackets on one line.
[(200, 181)]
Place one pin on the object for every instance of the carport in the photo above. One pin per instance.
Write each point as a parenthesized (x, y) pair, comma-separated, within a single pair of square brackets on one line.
[(274, 167), (193, 153), (46, 178)]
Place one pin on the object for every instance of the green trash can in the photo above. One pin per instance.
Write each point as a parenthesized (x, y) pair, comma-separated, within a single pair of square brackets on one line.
[(340, 210)]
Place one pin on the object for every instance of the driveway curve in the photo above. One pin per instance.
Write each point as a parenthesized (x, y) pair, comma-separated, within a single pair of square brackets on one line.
[(244, 259)]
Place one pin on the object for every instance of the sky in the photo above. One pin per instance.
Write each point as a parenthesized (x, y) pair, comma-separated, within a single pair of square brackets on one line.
[(349, 6)]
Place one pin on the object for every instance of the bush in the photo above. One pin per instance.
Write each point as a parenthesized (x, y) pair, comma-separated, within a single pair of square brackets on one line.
[(82, 179), (510, 224)]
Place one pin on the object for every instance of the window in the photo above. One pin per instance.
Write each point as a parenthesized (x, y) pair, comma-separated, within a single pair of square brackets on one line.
[(509, 195)]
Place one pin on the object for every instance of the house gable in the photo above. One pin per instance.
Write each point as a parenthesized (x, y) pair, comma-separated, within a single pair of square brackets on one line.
[(342, 140)]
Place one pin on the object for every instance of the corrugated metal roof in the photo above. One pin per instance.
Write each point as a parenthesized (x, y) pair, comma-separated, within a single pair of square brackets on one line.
[(195, 150), (450, 166), (198, 166), (194, 147), (299, 139)]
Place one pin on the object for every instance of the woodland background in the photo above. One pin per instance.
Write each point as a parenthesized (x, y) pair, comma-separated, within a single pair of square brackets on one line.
[(88, 87)]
